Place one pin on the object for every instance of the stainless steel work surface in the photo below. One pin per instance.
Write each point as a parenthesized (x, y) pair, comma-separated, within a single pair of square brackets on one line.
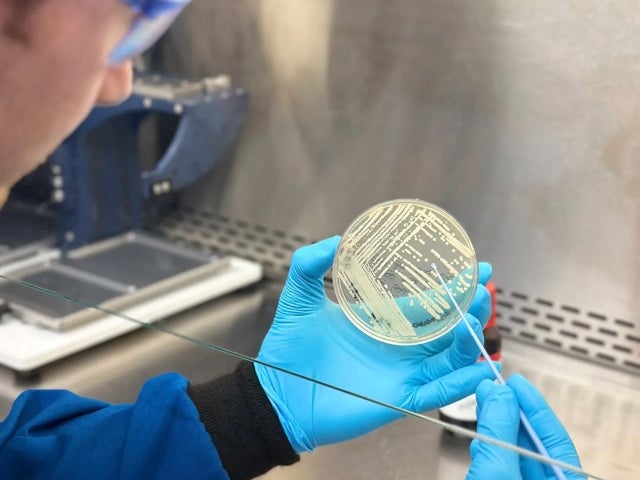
[(599, 406)]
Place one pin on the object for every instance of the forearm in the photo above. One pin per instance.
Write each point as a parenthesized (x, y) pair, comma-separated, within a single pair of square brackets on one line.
[(59, 435), (242, 424)]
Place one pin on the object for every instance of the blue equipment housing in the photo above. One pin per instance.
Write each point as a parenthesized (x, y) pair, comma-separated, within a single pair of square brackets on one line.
[(100, 188)]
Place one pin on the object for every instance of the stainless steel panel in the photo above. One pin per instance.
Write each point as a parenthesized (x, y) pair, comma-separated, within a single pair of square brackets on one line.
[(519, 118), (600, 407)]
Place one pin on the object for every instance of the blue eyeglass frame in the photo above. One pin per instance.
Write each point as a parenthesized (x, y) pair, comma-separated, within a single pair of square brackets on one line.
[(153, 19)]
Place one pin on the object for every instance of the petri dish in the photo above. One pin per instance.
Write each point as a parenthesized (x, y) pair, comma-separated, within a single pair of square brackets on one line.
[(383, 278)]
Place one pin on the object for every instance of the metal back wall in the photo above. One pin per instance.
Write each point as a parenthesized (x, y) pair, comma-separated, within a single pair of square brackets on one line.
[(520, 118)]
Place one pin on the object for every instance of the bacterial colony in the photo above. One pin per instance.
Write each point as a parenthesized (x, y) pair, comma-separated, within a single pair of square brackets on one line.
[(383, 276)]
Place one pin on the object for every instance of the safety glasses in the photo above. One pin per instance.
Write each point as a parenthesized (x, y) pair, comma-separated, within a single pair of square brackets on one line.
[(153, 19)]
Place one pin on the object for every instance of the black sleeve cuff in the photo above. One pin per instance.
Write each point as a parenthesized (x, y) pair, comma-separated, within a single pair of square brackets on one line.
[(242, 423)]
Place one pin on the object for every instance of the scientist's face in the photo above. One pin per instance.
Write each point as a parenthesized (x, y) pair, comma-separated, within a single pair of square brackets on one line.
[(53, 69)]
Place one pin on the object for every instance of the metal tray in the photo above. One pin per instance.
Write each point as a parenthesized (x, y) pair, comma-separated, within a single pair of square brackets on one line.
[(114, 274)]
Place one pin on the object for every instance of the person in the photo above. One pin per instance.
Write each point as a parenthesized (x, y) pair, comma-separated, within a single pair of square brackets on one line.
[(59, 58)]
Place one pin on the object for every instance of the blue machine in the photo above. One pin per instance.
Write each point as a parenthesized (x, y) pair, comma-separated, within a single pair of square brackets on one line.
[(100, 188), (75, 226)]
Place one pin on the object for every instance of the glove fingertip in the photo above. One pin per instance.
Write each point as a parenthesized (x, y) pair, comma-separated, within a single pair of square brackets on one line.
[(529, 396), (517, 381), (463, 342), (475, 324), (489, 371), (481, 305), (314, 260), (474, 448), (485, 387), (463, 339), (485, 271), (498, 411)]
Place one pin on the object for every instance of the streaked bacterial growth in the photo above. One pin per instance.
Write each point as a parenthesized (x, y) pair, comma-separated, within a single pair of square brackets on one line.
[(383, 276)]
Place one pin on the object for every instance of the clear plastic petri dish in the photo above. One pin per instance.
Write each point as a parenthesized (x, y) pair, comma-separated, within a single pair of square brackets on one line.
[(383, 276)]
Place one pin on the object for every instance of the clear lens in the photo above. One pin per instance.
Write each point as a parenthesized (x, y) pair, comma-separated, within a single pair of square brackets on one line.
[(143, 34)]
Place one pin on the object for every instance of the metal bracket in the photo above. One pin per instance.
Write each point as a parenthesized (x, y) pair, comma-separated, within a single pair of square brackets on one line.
[(100, 190)]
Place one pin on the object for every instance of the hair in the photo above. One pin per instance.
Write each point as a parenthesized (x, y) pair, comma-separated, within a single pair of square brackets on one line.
[(15, 28)]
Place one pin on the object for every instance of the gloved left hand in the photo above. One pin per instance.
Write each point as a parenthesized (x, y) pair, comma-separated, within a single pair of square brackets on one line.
[(311, 336)]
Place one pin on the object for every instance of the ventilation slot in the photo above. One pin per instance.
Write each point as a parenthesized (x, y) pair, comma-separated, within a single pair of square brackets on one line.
[(528, 318)]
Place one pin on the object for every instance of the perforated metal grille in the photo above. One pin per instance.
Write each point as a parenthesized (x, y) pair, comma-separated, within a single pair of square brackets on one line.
[(589, 335), (586, 334), (214, 233)]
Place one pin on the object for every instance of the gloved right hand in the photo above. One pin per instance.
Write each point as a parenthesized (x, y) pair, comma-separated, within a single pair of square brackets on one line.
[(312, 336), (499, 417)]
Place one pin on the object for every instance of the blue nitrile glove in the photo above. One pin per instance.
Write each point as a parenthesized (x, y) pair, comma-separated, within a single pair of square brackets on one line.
[(499, 417), (311, 336)]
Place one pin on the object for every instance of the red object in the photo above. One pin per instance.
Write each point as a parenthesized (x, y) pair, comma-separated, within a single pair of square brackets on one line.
[(494, 305), (492, 337), (496, 357)]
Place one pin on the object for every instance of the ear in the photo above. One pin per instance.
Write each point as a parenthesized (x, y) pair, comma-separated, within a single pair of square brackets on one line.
[(116, 86), (4, 194)]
